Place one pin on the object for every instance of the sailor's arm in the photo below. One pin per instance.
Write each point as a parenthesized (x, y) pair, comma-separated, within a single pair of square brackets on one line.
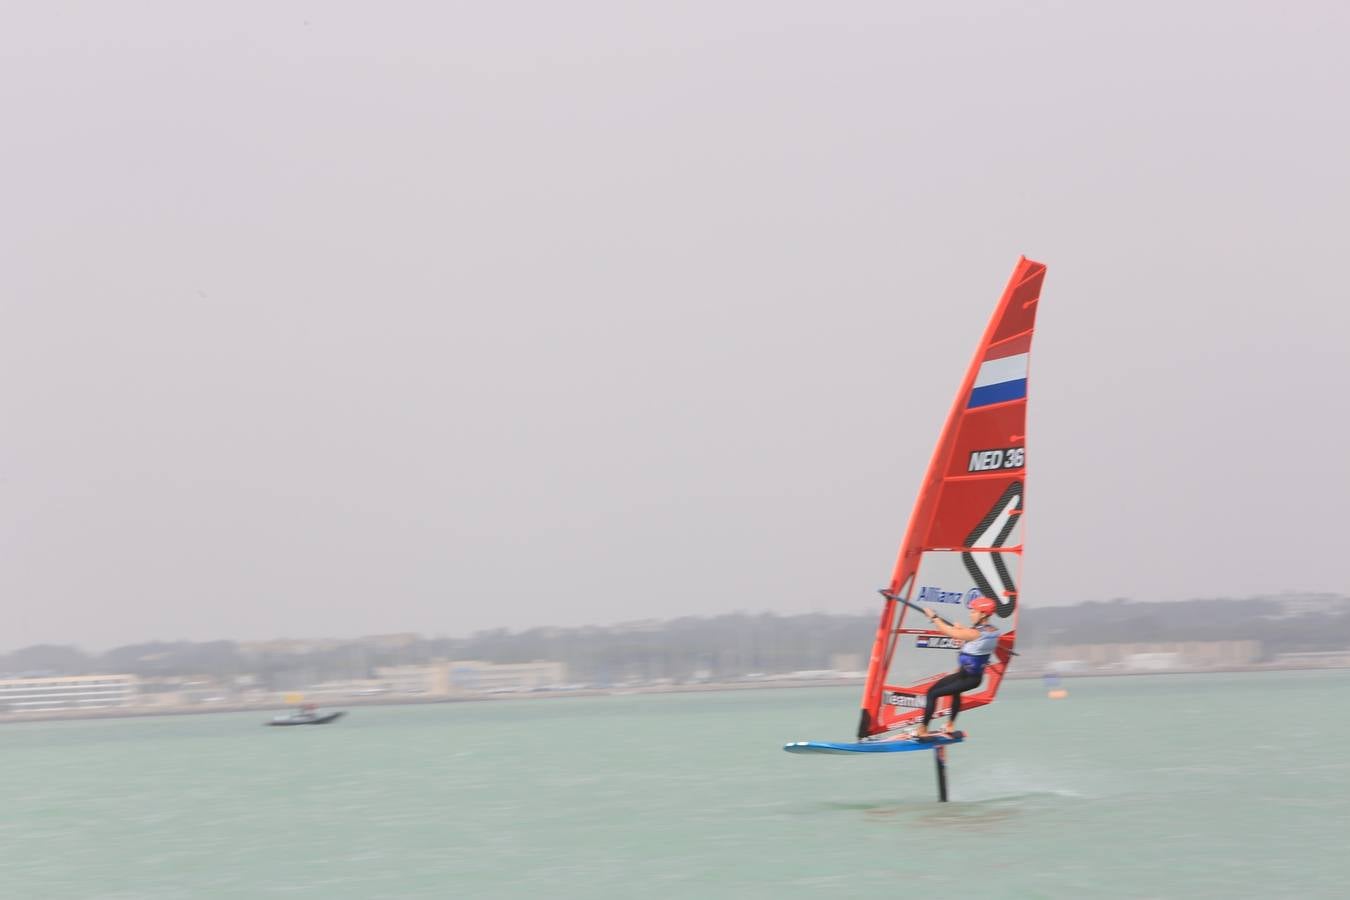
[(947, 628)]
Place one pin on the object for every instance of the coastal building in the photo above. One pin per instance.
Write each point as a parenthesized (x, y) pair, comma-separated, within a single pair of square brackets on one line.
[(1328, 659), (347, 687), (430, 678), (67, 692), (1153, 662), (1150, 657), (496, 678), (849, 663), (471, 676)]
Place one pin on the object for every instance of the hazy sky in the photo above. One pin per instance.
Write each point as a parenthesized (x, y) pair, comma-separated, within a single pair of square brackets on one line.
[(337, 318)]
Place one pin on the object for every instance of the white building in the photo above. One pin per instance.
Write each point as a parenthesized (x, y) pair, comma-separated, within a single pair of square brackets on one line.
[(349, 687), (414, 679), (471, 676), (67, 692), (485, 677), (1153, 662)]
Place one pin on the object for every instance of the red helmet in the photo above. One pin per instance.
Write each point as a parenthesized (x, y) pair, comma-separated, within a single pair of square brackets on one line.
[(983, 605)]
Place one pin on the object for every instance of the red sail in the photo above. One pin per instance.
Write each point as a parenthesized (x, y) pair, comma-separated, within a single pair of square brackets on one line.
[(965, 535)]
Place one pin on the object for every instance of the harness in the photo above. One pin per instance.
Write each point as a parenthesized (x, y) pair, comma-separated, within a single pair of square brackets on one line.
[(973, 665)]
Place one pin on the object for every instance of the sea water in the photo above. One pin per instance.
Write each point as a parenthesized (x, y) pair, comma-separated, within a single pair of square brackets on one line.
[(1225, 785)]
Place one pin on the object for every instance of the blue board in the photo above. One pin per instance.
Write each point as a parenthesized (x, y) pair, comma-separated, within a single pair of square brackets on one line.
[(893, 745)]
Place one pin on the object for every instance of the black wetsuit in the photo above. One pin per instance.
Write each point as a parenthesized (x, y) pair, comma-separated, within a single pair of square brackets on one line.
[(966, 678), (954, 685)]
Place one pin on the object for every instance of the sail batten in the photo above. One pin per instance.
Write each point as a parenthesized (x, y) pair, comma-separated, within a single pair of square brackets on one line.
[(964, 537)]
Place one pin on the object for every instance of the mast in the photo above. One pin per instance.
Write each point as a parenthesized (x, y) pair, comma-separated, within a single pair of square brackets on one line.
[(940, 761)]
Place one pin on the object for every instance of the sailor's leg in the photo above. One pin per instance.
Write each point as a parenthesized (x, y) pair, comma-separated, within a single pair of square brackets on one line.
[(941, 688), (968, 682)]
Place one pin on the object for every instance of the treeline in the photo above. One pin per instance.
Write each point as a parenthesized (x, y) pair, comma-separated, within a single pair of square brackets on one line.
[(681, 649), (1283, 624), (718, 647)]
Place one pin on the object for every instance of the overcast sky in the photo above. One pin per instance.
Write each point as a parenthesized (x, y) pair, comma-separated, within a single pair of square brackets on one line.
[(338, 318)]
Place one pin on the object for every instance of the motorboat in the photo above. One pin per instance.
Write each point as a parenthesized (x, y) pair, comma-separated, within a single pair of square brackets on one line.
[(307, 715)]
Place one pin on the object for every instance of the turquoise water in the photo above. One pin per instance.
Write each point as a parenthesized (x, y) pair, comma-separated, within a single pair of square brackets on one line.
[(1161, 786)]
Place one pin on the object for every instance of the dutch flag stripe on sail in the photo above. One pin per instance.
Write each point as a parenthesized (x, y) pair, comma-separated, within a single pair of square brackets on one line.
[(1000, 380)]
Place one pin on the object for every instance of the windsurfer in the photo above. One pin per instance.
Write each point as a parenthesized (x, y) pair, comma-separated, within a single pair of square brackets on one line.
[(979, 638)]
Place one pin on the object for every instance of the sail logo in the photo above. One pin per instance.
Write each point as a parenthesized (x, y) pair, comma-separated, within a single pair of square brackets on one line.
[(989, 571), (895, 698), (938, 595), (994, 460), (932, 642)]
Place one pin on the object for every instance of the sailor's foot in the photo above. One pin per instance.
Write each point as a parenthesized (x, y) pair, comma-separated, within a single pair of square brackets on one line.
[(920, 734), (949, 730)]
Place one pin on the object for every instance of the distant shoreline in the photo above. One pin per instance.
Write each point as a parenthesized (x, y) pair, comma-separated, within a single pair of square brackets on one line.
[(65, 715)]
